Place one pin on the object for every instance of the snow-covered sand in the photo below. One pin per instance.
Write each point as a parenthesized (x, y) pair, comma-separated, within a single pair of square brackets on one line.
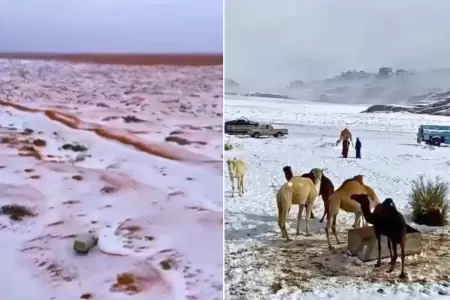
[(260, 265), (155, 205)]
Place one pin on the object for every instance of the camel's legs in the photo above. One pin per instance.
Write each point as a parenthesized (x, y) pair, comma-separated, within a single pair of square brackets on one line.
[(395, 256), (389, 247), (232, 185), (299, 217), (280, 218), (242, 184), (378, 236), (365, 223), (331, 222), (402, 249), (285, 207), (284, 220), (239, 180), (327, 231), (357, 222), (333, 229), (325, 209), (308, 216)]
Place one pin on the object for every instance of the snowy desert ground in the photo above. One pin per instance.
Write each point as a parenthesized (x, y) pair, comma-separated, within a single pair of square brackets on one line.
[(260, 265), (132, 154)]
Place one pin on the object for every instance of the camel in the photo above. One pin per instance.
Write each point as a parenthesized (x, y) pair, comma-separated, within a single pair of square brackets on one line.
[(236, 169), (321, 184), (340, 199), (325, 189), (298, 190), (388, 221)]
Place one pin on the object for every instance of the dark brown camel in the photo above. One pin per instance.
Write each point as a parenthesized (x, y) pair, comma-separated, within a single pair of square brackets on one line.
[(387, 221), (326, 189)]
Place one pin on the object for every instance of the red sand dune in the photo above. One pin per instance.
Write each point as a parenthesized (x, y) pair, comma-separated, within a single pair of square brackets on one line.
[(125, 58), (121, 137)]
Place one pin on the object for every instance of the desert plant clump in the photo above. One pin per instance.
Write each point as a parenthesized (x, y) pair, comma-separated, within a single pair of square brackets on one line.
[(16, 212), (74, 147), (228, 147), (428, 200)]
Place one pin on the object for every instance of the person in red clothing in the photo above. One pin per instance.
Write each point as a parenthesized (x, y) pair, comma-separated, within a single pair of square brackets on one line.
[(345, 146), (346, 139)]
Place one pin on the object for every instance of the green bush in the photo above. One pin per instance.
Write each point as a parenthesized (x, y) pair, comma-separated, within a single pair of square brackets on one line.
[(228, 147), (427, 196)]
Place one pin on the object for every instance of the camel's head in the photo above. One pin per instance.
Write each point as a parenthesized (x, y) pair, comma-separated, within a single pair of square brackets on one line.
[(360, 198), (359, 178), (317, 172), (230, 163), (287, 170)]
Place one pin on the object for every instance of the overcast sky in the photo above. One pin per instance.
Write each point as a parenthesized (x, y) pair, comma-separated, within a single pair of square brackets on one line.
[(111, 25), (270, 43)]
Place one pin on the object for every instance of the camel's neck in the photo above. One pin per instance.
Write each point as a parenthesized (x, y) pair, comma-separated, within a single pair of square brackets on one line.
[(317, 184), (231, 169), (288, 175), (368, 215)]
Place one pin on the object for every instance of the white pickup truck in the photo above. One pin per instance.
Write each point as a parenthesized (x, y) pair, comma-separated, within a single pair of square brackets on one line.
[(267, 130)]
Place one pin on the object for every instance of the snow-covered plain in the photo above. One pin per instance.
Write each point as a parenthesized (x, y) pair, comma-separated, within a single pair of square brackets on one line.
[(260, 265), (155, 205)]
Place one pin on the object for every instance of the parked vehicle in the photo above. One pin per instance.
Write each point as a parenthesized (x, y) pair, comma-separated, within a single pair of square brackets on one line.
[(267, 130), (239, 126), (433, 134)]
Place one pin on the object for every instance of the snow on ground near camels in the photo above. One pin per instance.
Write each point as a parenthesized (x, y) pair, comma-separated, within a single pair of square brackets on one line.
[(260, 265), (156, 205)]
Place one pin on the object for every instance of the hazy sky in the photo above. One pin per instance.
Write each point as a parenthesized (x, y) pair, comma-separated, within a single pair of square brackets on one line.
[(111, 25), (270, 43)]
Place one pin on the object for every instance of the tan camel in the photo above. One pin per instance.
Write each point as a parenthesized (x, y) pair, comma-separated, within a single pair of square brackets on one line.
[(345, 136), (340, 199), (300, 191), (236, 169)]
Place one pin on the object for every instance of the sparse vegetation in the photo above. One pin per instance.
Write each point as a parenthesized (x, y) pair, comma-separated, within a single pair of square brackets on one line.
[(74, 147), (428, 201), (108, 190), (182, 141), (39, 143), (132, 119), (228, 147), (16, 212), (166, 264)]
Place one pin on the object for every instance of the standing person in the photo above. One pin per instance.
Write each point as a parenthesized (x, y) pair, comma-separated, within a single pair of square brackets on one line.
[(345, 146), (358, 148)]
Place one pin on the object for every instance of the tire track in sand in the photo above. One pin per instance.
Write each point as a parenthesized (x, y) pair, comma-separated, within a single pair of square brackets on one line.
[(124, 137)]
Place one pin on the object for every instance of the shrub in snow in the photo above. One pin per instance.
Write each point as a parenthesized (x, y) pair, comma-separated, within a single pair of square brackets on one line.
[(16, 212), (428, 201), (228, 147)]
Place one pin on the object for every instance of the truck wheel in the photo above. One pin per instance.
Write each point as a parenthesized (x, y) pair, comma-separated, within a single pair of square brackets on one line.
[(256, 135), (278, 135), (436, 141)]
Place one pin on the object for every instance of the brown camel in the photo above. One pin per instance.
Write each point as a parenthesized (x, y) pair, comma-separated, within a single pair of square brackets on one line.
[(340, 199)]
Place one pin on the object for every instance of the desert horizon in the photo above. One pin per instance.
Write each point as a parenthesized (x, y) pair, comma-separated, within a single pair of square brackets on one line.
[(141, 59)]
